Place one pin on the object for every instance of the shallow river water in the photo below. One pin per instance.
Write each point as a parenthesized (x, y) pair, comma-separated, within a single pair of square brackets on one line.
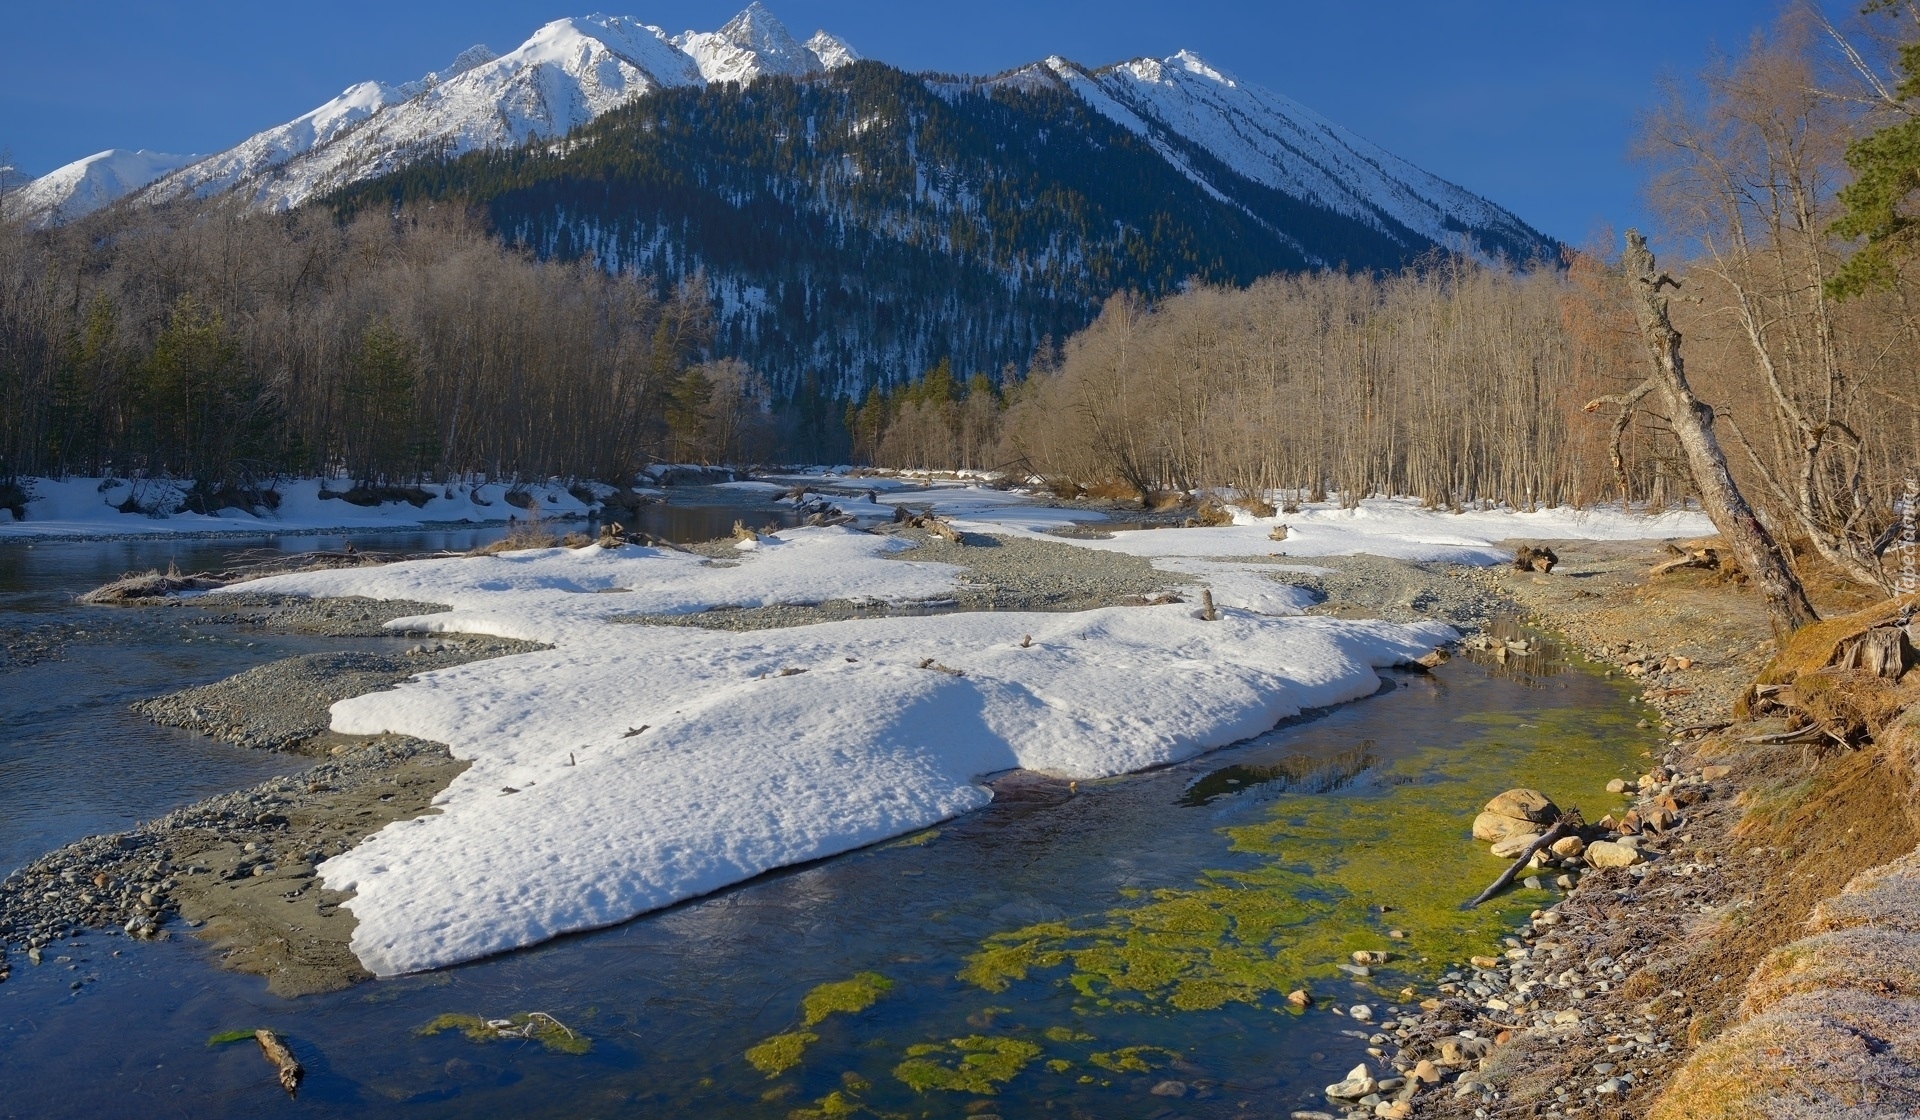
[(1066, 951)]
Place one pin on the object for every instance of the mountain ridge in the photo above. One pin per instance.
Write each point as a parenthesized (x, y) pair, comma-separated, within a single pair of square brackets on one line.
[(856, 227), (574, 69)]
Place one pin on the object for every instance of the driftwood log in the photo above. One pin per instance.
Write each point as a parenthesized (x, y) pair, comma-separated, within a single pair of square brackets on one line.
[(286, 1066), (940, 529), (1528, 558), (1568, 824), (926, 520)]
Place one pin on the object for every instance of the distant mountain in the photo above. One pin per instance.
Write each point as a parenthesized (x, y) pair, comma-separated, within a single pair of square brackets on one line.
[(857, 226), (856, 223), (1204, 121), (85, 185), (570, 71)]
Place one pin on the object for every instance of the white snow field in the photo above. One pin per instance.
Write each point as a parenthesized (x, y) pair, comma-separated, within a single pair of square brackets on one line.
[(1398, 528), (634, 766)]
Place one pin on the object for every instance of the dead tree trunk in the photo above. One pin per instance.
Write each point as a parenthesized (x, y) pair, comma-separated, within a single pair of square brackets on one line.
[(1692, 423)]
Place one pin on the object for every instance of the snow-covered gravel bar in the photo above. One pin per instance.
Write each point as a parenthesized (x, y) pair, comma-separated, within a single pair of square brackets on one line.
[(630, 767)]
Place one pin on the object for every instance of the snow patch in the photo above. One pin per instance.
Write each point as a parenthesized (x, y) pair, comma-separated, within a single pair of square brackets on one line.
[(633, 766)]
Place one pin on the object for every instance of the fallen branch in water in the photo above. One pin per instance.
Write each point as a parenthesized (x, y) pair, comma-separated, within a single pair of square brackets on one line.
[(285, 1064), (1568, 824)]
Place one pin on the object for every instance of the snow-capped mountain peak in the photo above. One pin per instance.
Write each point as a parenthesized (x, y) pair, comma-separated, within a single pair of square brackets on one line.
[(1226, 136), (567, 73), (1193, 64), (751, 44), (832, 51), (85, 185), (1200, 118)]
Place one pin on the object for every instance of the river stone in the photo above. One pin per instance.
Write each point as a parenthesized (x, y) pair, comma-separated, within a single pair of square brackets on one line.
[(1494, 827), (1463, 1051), (1605, 853), (1169, 1089), (1524, 804), (1569, 846), (1359, 1083), (1512, 846)]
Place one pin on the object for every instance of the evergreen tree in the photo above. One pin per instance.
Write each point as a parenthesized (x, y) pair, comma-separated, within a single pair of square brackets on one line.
[(1886, 167), (382, 440), (194, 394)]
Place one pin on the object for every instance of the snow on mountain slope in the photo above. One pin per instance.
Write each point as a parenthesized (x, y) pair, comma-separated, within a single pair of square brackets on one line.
[(570, 72), (751, 44), (1180, 104), (1230, 138), (264, 151), (832, 51), (85, 185)]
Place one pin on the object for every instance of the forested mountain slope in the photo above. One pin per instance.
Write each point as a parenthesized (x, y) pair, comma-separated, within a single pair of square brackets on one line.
[(858, 225)]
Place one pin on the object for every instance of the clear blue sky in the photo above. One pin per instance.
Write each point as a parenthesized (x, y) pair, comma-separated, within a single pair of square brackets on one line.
[(1529, 102)]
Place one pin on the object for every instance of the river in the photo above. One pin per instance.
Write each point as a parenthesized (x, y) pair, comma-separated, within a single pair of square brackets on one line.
[(1119, 949)]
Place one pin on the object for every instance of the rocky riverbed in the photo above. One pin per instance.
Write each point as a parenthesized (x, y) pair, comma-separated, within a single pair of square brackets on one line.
[(1592, 1006), (283, 705), (1546, 1009), (236, 870)]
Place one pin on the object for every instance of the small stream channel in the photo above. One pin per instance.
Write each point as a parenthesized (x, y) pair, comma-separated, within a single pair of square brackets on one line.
[(1063, 952)]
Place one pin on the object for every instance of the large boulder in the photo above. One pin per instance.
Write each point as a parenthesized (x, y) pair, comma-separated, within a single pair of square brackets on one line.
[(1512, 846), (1525, 805), (1493, 828), (1606, 853)]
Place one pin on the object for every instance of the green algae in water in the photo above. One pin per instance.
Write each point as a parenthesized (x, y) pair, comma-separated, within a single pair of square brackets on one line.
[(984, 1064), (1130, 1059), (1324, 871), (225, 1038), (844, 997), (834, 1106), (535, 1026), (782, 1052)]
